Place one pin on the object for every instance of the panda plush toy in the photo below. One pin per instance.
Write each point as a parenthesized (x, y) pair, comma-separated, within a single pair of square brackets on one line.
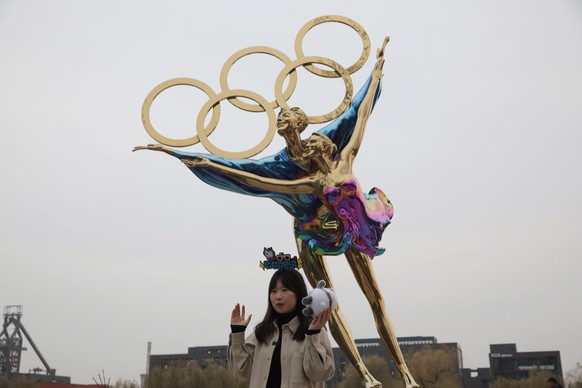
[(318, 300)]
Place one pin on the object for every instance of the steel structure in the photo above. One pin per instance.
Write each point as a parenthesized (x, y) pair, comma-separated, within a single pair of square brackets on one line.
[(11, 343)]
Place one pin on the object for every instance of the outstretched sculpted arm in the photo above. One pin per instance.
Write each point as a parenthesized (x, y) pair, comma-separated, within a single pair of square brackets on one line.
[(350, 151), (154, 147), (277, 166), (294, 186), (341, 129)]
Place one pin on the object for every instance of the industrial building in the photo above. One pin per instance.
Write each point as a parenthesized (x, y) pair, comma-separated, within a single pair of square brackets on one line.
[(11, 346), (12, 338)]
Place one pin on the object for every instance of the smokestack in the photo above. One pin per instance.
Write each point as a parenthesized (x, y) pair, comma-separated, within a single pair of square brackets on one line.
[(148, 359), (147, 371)]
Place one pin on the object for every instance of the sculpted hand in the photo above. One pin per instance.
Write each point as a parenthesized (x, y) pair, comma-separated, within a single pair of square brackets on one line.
[(197, 161), (320, 321), (238, 319), (380, 57), (380, 52)]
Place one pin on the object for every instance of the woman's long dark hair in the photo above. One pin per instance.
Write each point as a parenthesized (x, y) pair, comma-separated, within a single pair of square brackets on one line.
[(291, 279)]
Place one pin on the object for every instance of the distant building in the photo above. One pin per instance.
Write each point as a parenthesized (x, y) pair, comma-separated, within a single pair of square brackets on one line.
[(201, 354), (367, 347), (477, 378), (506, 361)]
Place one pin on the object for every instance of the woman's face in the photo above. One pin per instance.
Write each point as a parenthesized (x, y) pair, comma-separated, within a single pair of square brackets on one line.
[(315, 145), (282, 298)]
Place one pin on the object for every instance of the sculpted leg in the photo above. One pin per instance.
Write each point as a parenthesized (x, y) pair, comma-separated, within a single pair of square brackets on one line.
[(315, 269), (361, 266)]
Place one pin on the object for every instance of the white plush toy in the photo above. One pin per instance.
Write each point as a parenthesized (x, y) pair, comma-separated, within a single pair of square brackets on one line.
[(318, 300)]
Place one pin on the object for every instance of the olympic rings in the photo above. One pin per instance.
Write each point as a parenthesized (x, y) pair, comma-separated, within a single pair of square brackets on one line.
[(323, 61), (338, 19), (147, 104), (263, 105), (202, 132), (256, 50)]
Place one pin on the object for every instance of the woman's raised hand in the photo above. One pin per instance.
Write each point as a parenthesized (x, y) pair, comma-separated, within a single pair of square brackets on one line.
[(321, 320), (237, 317)]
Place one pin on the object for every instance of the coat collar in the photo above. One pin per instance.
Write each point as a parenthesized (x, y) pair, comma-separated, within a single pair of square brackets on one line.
[(293, 324)]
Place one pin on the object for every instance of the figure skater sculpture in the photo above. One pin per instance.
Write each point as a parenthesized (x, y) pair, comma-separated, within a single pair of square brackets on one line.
[(313, 180)]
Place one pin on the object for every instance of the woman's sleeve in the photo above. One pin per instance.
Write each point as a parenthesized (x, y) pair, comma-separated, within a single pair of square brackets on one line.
[(240, 354), (318, 362)]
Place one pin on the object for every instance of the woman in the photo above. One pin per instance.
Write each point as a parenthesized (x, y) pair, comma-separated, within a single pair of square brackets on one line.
[(285, 349)]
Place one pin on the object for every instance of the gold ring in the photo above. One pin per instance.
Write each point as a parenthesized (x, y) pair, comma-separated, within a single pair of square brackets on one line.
[(256, 50), (262, 105), (322, 61), (147, 104), (215, 100), (338, 19)]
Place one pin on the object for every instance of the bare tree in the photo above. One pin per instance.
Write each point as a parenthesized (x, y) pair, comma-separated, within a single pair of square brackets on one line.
[(574, 377), (378, 367), (20, 383), (126, 384), (537, 378), (191, 375), (435, 368)]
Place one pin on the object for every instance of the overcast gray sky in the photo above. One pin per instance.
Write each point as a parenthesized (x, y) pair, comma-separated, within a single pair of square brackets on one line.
[(476, 139)]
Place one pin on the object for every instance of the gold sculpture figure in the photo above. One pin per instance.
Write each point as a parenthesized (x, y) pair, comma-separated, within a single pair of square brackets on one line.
[(313, 180)]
